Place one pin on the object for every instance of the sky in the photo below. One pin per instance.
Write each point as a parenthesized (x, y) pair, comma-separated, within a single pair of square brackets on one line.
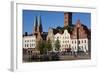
[(52, 19)]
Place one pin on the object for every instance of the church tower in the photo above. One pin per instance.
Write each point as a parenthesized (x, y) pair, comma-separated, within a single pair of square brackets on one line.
[(35, 25), (67, 18), (39, 27)]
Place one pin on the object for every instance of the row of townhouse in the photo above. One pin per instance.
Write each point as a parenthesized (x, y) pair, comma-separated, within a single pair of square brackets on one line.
[(66, 42), (78, 39), (64, 39)]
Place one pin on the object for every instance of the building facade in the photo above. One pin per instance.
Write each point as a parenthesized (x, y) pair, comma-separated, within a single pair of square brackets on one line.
[(29, 42), (79, 38), (64, 40)]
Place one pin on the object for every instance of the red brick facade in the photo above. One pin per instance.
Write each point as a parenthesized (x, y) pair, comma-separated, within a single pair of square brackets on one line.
[(80, 31)]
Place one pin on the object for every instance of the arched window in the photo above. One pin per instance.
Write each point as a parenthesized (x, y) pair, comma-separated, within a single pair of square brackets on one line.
[(85, 41), (27, 45)]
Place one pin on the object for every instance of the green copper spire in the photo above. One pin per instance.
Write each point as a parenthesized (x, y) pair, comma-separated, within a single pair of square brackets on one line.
[(35, 23), (40, 23)]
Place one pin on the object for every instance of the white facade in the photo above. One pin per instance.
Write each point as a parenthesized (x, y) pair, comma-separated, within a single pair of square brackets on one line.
[(75, 44), (29, 42), (81, 44), (64, 40)]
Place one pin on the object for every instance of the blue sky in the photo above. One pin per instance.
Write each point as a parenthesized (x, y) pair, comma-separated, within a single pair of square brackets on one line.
[(52, 19)]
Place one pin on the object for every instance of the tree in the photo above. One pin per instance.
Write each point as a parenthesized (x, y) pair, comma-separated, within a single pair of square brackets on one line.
[(59, 28), (41, 47), (69, 28), (57, 45), (48, 45)]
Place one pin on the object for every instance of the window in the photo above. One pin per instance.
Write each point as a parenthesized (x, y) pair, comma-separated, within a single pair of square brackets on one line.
[(65, 41), (30, 45), (57, 37), (82, 41), (85, 47), (27, 40), (75, 42), (85, 41), (72, 42), (79, 42), (28, 52), (27, 45), (31, 52), (82, 47), (67, 45)]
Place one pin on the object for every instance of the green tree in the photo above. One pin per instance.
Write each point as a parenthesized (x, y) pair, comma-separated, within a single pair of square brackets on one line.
[(69, 28), (41, 47), (59, 28), (57, 45), (48, 45)]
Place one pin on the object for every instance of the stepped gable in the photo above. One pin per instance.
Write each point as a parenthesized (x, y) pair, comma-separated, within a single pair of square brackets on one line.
[(80, 31)]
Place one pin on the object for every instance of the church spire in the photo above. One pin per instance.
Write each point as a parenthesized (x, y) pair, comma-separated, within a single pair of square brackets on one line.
[(35, 24), (39, 24), (39, 20)]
